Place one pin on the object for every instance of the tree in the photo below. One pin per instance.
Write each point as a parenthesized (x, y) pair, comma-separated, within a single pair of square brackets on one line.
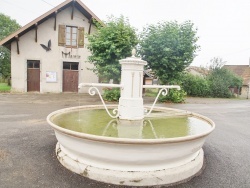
[(4, 63), (168, 48), (221, 79), (109, 44), (216, 63), (7, 26)]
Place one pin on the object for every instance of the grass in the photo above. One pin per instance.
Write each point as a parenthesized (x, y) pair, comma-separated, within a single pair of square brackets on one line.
[(4, 87), (151, 92)]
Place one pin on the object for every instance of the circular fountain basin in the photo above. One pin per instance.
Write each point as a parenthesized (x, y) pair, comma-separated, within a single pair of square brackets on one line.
[(122, 153)]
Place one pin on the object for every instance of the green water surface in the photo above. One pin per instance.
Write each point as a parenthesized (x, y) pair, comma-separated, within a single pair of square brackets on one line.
[(97, 122)]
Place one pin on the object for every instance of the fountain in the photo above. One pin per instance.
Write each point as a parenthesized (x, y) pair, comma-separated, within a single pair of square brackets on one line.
[(134, 145)]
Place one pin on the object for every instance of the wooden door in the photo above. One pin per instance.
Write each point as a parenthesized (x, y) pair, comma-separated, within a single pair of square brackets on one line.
[(70, 77), (33, 75)]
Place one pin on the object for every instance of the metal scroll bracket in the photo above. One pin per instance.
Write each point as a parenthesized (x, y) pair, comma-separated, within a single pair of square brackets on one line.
[(164, 92), (92, 91)]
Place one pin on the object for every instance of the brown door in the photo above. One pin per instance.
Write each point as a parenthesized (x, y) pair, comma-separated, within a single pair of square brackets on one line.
[(33, 75), (70, 77)]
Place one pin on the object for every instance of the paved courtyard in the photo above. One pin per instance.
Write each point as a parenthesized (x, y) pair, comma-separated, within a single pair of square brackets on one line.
[(27, 142)]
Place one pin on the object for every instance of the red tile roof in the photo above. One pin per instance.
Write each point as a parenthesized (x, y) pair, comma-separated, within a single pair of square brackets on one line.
[(241, 70), (200, 70)]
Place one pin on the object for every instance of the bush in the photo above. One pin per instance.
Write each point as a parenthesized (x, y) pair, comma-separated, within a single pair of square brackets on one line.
[(220, 80), (219, 88), (195, 86), (174, 95), (111, 94)]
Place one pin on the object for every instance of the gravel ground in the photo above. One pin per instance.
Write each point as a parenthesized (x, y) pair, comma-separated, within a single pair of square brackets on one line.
[(27, 142)]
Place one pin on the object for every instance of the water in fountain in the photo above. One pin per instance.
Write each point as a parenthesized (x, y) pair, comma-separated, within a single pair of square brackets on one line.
[(167, 125)]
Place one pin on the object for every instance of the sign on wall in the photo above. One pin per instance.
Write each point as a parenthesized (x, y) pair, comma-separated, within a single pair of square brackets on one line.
[(51, 76)]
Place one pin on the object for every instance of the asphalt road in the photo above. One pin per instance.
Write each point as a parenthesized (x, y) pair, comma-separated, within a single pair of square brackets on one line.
[(27, 142)]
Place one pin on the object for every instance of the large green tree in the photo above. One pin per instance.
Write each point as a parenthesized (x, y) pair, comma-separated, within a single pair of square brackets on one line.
[(168, 48), (7, 26), (109, 44)]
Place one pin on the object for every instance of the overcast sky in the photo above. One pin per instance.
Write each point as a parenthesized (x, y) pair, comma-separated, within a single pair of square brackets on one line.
[(223, 25)]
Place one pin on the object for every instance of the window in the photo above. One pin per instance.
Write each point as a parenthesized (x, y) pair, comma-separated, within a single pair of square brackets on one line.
[(33, 64), (71, 36), (70, 65)]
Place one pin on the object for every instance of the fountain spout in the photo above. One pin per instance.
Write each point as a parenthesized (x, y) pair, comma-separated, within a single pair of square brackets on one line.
[(131, 101)]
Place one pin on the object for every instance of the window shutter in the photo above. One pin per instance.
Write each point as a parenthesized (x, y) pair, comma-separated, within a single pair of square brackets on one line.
[(61, 35), (81, 37)]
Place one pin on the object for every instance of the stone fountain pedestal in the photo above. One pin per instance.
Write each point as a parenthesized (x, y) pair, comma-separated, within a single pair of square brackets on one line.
[(168, 176)]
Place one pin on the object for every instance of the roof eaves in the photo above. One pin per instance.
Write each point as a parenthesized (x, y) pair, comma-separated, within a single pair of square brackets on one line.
[(28, 26), (241, 70), (89, 11), (6, 41)]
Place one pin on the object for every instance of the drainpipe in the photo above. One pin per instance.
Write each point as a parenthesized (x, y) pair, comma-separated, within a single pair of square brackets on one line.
[(248, 90)]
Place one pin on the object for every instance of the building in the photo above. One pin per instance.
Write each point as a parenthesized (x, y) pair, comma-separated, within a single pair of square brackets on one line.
[(49, 54), (149, 78), (242, 71), (197, 71)]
